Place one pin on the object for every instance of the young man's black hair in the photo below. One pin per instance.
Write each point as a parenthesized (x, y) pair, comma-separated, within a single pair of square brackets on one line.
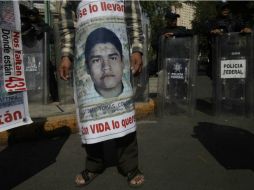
[(102, 35)]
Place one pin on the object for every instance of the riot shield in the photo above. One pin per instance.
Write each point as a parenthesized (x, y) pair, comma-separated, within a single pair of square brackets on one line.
[(34, 72), (176, 78), (233, 56)]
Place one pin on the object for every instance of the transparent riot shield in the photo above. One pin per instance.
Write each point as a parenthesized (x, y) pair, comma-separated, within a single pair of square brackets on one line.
[(176, 78), (233, 56), (34, 72)]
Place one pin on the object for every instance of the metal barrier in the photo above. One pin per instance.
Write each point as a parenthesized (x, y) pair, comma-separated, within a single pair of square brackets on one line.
[(176, 79), (233, 74)]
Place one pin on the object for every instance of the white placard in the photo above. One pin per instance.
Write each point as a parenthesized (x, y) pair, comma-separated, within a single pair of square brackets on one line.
[(233, 68)]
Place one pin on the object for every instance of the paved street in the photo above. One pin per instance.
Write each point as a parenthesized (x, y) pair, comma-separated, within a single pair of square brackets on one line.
[(179, 152)]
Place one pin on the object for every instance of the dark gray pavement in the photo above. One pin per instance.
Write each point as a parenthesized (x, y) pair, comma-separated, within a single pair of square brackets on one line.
[(177, 152)]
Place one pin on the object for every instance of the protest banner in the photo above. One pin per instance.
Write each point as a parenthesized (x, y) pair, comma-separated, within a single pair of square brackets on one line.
[(11, 47), (103, 90), (10, 15), (13, 96), (13, 106), (12, 60)]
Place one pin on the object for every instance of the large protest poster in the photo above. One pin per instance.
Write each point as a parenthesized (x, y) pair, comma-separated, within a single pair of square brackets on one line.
[(12, 60), (13, 106), (10, 15), (13, 96), (11, 47), (103, 91)]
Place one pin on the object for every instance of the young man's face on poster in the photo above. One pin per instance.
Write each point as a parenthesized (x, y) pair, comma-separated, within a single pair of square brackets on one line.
[(106, 66)]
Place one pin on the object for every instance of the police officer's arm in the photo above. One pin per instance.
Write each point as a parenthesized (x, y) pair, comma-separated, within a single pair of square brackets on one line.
[(67, 34), (243, 26), (246, 30), (183, 32), (134, 27), (179, 31), (213, 28), (216, 31), (168, 34)]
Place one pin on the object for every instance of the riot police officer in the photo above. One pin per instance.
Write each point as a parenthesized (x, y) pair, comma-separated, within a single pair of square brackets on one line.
[(223, 23), (170, 30), (229, 88)]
